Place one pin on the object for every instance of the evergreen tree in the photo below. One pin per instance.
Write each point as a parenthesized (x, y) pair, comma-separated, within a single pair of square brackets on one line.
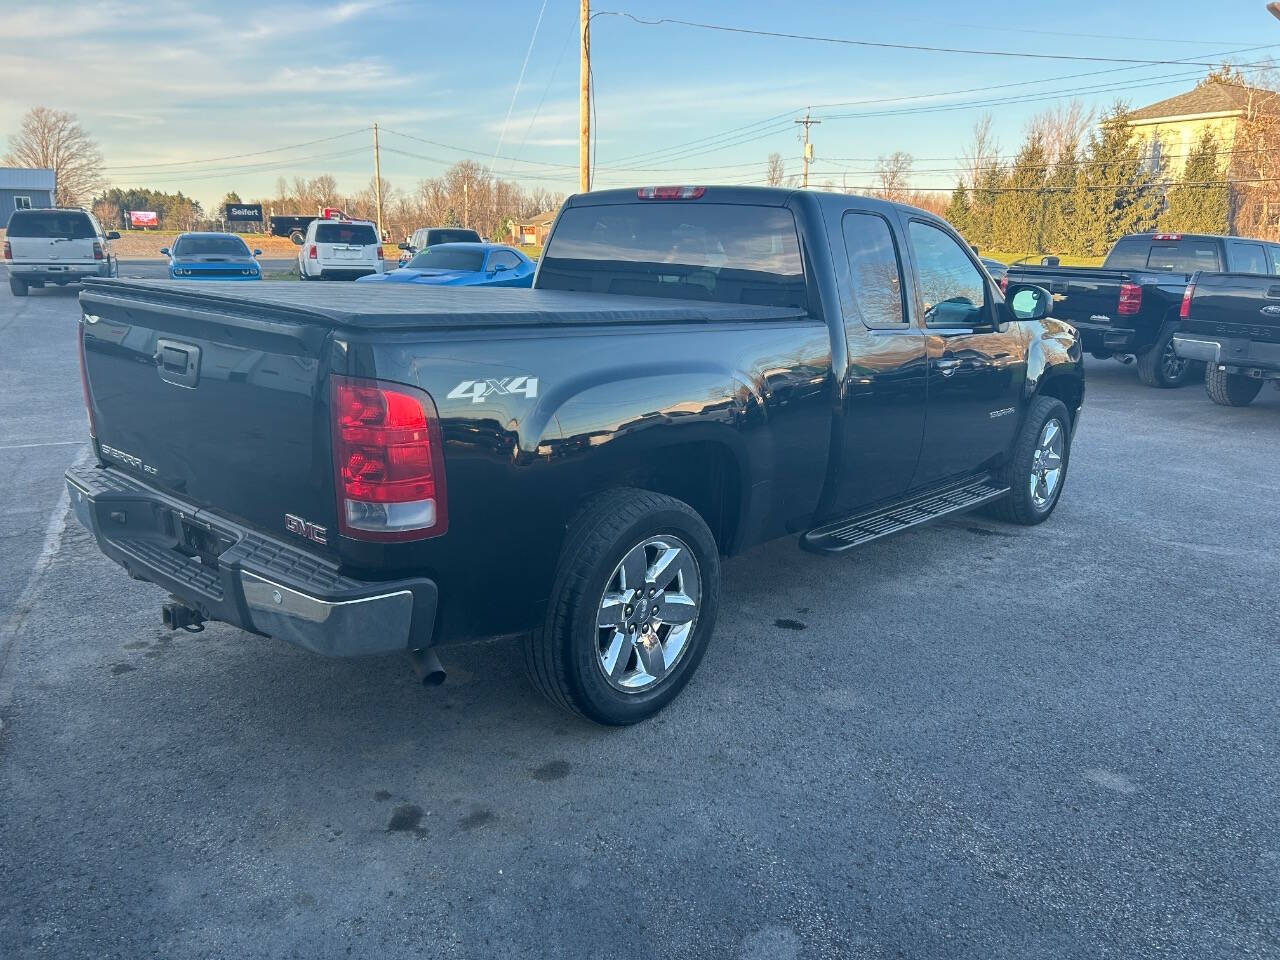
[(1058, 210), (1195, 207), (1018, 215), (982, 204), (1116, 191), (957, 213)]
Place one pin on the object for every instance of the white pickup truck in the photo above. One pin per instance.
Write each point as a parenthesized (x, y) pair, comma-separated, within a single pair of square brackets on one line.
[(56, 246)]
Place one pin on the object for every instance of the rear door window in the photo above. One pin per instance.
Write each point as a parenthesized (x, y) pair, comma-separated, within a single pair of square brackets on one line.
[(360, 234), (1248, 258), (874, 270), (728, 253), (1273, 253), (1183, 256), (51, 224)]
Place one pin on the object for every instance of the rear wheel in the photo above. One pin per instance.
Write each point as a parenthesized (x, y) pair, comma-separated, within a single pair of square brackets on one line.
[(1037, 467), (18, 287), (632, 610), (1160, 365), (1230, 389)]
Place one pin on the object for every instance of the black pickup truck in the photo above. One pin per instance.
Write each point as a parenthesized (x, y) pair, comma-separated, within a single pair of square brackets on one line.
[(1231, 322), (695, 371), (1129, 306)]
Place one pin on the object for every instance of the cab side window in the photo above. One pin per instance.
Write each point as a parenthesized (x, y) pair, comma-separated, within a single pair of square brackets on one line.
[(874, 270), (1248, 258), (503, 258), (951, 288)]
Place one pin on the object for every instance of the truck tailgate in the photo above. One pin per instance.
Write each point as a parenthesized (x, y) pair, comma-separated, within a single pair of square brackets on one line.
[(224, 410), (1079, 293), (1236, 305)]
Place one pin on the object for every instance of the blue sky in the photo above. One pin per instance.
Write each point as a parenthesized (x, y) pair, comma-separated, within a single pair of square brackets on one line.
[(167, 89)]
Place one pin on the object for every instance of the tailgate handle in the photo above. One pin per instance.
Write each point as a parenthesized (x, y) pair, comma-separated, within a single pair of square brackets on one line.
[(178, 363)]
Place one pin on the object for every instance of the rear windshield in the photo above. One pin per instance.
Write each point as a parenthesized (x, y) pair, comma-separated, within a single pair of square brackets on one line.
[(50, 223), (451, 236), (210, 246), (1176, 256), (356, 233), (679, 249), (447, 258)]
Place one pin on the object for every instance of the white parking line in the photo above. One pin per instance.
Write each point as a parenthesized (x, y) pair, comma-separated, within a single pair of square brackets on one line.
[(49, 443)]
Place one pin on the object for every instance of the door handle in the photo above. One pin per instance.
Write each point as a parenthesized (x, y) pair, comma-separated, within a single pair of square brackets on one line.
[(947, 367)]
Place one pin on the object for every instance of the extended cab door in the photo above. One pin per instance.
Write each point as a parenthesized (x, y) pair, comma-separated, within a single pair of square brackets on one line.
[(884, 385), (977, 363)]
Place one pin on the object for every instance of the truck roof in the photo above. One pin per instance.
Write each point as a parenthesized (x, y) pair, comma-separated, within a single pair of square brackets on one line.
[(389, 308), (755, 196)]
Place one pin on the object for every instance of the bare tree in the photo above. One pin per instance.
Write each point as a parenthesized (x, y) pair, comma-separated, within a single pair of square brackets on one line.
[(776, 173), (54, 140), (892, 173), (981, 153), (1060, 127)]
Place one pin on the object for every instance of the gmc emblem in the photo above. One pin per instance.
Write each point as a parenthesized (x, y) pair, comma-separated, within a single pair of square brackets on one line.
[(305, 528)]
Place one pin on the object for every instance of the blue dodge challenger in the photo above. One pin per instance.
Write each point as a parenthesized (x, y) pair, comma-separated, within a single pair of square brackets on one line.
[(212, 256), (463, 265)]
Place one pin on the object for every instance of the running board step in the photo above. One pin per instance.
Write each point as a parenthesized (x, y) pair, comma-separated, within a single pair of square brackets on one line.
[(842, 535)]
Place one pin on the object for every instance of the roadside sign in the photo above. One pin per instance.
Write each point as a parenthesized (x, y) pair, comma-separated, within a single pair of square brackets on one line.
[(243, 211), (143, 218)]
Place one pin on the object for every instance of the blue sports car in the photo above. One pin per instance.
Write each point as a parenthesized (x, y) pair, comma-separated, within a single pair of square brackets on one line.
[(463, 265), (212, 256)]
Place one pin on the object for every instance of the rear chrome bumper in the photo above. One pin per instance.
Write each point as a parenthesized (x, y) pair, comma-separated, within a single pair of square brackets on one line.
[(1233, 354), (59, 271), (239, 576)]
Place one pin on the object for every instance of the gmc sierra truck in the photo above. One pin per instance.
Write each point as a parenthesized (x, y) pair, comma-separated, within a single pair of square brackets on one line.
[(1129, 306), (695, 371), (1231, 322)]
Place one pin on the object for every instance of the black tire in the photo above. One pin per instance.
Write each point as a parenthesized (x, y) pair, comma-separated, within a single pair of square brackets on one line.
[(1160, 366), (563, 657), (1230, 389), (1020, 506), (18, 287), (297, 237)]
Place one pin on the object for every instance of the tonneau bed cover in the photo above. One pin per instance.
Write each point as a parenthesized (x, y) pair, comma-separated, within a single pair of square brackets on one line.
[(373, 306)]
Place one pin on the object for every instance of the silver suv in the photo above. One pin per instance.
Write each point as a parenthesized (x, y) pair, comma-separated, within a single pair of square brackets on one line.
[(58, 246)]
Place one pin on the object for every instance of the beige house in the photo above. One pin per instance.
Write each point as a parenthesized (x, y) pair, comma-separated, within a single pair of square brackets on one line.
[(1173, 126), (533, 232)]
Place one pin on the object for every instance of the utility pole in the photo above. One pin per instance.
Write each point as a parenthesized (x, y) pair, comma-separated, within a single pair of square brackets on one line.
[(377, 180), (808, 147), (584, 97)]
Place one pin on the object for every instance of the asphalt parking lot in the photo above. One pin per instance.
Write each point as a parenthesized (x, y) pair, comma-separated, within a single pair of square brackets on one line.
[(975, 740)]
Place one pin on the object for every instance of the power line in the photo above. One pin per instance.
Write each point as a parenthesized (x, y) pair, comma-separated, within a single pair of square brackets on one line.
[(236, 156), (170, 176), (725, 28)]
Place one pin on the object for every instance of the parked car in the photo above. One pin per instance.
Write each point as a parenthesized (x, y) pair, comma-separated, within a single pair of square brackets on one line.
[(425, 237), (1231, 323), (463, 265), (336, 248), (212, 256), (569, 463), (58, 246), (995, 268), (1129, 306)]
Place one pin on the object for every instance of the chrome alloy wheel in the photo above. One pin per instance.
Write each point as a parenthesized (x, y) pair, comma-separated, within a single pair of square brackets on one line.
[(1046, 463), (647, 613)]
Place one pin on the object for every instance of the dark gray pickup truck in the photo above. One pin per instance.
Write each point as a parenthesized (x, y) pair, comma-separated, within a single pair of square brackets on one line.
[(1231, 322), (695, 371)]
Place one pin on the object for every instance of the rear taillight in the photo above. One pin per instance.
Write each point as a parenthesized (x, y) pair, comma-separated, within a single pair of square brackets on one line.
[(381, 255), (8, 251), (1184, 311), (670, 193), (311, 252), (1130, 299), (84, 384), (1004, 284), (97, 250), (388, 461)]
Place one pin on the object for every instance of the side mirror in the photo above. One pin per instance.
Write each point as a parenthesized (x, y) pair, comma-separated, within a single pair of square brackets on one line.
[(1049, 261), (500, 267), (257, 252), (165, 251), (403, 246), (113, 235), (1028, 301)]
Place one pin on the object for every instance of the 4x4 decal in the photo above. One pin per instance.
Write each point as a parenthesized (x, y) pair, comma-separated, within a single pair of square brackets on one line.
[(478, 390)]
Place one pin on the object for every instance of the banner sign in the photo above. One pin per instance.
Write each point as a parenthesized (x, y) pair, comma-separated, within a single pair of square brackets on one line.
[(243, 211), (143, 218)]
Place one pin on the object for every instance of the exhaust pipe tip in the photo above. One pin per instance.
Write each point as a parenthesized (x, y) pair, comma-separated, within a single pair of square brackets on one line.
[(427, 666)]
